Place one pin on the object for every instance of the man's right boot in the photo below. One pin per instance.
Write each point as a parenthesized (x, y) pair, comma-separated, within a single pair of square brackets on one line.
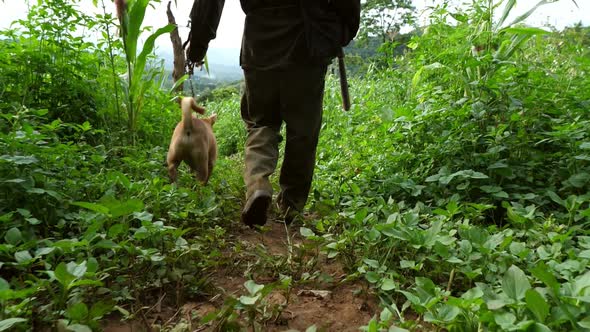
[(256, 208)]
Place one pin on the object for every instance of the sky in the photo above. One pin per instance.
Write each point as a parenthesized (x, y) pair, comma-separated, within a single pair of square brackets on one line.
[(559, 14)]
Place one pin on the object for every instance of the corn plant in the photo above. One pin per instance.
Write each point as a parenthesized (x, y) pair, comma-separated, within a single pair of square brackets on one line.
[(131, 14), (490, 47)]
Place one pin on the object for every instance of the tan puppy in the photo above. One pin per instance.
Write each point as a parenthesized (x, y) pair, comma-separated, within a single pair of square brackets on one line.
[(193, 142)]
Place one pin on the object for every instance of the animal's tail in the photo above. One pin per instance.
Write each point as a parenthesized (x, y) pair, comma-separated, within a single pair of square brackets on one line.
[(188, 104)]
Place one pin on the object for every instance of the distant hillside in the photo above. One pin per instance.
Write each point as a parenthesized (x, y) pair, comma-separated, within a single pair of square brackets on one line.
[(224, 65)]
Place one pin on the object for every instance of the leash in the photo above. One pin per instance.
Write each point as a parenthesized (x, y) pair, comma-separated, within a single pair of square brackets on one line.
[(190, 70), (190, 66)]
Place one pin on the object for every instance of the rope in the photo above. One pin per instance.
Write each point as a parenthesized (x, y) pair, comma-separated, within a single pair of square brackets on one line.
[(190, 68)]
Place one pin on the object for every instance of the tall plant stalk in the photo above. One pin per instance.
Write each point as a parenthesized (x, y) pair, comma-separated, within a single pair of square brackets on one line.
[(131, 14), (112, 61)]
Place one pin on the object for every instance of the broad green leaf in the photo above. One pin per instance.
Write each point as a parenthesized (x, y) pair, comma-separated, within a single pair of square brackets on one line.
[(373, 235), (77, 312), (312, 328), (538, 327), (252, 287), (388, 284), (77, 270), (469, 173), (501, 194), (209, 317), (542, 272), (143, 216), (361, 214), (62, 275), (100, 308), (537, 304), (92, 207), (581, 284), (24, 212), (115, 230), (79, 328), (33, 221), (306, 232), (106, 244), (498, 303), (248, 300), (386, 314), (579, 180), (412, 298), (585, 146), (556, 198), (425, 284), (355, 189), (491, 189), (433, 178), (13, 236), (157, 257), (181, 243), (448, 313), (92, 265), (125, 208), (372, 277), (515, 283), (472, 294), (371, 263), (123, 311), (584, 254), (404, 264), (373, 325), (585, 323), (44, 251), (443, 313), (42, 191), (20, 160), (85, 282), (506, 320), (23, 256), (6, 217), (4, 285), (517, 247), (141, 233), (397, 329), (7, 324)]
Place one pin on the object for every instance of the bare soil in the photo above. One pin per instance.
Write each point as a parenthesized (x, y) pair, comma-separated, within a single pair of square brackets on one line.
[(326, 301)]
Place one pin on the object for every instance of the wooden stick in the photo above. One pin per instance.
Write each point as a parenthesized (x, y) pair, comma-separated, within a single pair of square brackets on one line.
[(343, 82)]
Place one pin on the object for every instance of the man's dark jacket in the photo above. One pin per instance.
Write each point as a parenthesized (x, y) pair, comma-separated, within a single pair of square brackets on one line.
[(278, 33)]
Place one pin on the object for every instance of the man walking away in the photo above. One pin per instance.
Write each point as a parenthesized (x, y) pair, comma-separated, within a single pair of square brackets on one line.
[(286, 48)]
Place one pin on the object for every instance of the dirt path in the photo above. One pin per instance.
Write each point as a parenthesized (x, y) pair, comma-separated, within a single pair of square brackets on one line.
[(318, 294)]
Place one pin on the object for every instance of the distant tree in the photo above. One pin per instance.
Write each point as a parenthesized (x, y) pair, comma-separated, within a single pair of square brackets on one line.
[(384, 18)]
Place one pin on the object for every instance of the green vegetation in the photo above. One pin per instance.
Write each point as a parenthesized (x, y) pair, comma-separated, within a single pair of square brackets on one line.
[(457, 187)]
